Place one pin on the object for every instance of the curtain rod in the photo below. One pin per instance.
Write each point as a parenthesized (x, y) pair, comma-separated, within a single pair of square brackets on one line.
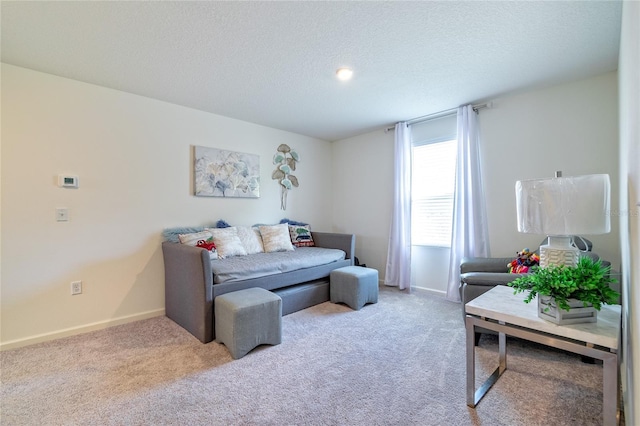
[(439, 115)]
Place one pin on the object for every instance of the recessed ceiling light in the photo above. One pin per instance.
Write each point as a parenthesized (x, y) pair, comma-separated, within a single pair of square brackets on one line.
[(344, 74)]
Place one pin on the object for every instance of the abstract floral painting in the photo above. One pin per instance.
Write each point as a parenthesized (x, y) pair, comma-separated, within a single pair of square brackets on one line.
[(220, 173)]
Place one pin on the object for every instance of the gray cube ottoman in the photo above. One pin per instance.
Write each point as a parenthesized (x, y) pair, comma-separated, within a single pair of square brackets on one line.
[(354, 285), (248, 318)]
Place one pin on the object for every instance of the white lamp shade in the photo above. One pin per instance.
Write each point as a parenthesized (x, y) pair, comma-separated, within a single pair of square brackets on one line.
[(574, 205)]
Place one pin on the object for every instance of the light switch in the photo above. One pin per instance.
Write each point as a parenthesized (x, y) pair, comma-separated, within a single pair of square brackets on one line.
[(62, 215)]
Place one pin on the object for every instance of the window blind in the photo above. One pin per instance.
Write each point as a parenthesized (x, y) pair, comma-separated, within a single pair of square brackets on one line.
[(432, 187)]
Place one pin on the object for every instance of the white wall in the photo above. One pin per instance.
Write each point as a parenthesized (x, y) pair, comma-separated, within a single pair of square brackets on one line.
[(571, 127), (362, 190), (629, 69), (430, 268), (133, 157)]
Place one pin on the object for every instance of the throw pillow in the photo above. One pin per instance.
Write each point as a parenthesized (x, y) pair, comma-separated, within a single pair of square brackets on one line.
[(227, 242), (276, 238), (193, 238), (301, 235), (250, 238)]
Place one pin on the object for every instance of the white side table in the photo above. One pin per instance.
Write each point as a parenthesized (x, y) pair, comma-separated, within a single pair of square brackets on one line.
[(502, 311)]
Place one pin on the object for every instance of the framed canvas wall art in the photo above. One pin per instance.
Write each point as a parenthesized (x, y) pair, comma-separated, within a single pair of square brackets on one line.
[(221, 173)]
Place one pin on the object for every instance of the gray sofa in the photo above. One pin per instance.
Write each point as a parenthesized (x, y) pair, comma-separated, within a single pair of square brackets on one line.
[(190, 283)]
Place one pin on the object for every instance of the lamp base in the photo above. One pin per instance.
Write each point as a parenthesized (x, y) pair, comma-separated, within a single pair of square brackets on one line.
[(559, 251)]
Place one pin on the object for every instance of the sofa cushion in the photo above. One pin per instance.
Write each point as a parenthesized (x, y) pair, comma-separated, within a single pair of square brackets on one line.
[(488, 278), (263, 264), (276, 238)]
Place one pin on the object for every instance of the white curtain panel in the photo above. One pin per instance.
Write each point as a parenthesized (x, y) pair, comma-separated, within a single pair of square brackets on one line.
[(398, 270), (469, 236)]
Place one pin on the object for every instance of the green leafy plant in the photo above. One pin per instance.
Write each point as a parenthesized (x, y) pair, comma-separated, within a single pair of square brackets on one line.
[(589, 281)]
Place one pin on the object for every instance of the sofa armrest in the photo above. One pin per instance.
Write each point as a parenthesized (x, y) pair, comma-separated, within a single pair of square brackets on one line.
[(487, 278), (344, 242), (485, 264), (188, 282)]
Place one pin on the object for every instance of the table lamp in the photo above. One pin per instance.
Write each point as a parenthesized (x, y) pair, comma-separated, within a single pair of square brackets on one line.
[(560, 207)]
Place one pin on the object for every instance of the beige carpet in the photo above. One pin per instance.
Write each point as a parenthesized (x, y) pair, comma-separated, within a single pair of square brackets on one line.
[(398, 362)]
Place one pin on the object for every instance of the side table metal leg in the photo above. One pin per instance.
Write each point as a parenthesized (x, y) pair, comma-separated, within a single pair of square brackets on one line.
[(502, 347), (474, 396), (610, 390), (471, 362)]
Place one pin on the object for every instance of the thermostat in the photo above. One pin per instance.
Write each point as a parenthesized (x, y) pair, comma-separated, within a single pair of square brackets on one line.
[(66, 181)]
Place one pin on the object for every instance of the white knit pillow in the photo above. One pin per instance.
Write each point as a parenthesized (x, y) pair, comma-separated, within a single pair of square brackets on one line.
[(276, 238), (251, 239), (192, 239), (227, 242)]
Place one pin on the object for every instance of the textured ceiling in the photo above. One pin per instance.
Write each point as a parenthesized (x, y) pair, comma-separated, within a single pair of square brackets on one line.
[(274, 63)]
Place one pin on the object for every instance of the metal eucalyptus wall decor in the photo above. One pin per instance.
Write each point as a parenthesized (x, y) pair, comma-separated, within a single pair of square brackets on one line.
[(285, 161)]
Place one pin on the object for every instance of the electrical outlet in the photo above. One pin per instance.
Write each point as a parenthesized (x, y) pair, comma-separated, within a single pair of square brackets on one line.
[(76, 287), (62, 215)]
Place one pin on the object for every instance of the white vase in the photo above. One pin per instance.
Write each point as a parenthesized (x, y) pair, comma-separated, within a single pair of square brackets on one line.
[(577, 313)]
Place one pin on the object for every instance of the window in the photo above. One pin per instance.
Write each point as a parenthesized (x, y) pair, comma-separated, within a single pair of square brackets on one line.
[(432, 186)]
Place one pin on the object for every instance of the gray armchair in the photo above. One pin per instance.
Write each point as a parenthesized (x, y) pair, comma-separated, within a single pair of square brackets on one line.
[(479, 275)]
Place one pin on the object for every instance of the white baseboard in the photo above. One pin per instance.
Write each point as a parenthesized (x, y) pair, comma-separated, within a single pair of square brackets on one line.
[(440, 293), (431, 290), (18, 343)]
